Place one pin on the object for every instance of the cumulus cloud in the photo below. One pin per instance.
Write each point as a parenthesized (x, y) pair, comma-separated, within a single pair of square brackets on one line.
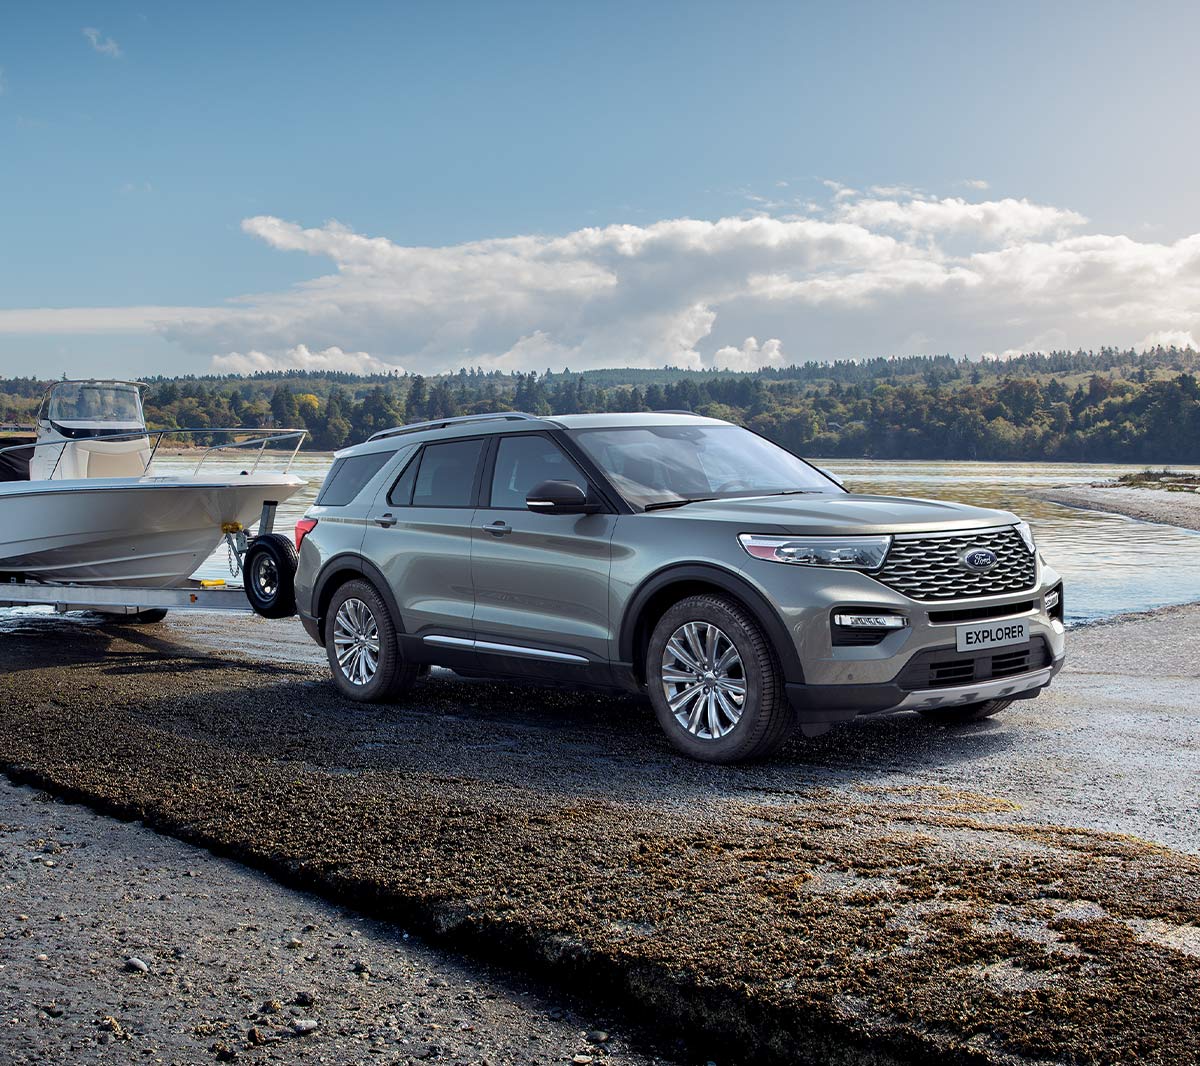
[(106, 46), (994, 220), (1169, 338), (861, 275), (300, 358)]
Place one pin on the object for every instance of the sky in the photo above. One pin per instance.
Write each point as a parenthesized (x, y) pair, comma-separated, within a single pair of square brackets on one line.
[(423, 186)]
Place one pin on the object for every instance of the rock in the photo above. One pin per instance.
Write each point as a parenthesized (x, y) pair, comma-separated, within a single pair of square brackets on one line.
[(582, 1060), (304, 999), (256, 1037), (224, 1053), (362, 966), (295, 942), (597, 1036), (135, 965), (272, 1006), (304, 1026)]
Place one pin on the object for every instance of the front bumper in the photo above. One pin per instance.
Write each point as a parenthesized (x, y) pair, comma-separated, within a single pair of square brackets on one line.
[(906, 669)]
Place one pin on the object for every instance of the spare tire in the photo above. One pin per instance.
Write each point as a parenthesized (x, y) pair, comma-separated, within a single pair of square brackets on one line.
[(269, 574)]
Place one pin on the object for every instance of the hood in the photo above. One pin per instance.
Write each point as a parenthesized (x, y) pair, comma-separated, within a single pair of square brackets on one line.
[(835, 513)]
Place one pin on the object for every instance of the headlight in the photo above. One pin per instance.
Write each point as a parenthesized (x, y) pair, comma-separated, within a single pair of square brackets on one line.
[(1026, 535), (848, 553)]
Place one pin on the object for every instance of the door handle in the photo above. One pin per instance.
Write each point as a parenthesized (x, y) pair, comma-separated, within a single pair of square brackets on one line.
[(497, 529), (386, 520)]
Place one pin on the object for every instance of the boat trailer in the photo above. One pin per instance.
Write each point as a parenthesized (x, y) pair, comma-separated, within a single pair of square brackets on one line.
[(202, 595)]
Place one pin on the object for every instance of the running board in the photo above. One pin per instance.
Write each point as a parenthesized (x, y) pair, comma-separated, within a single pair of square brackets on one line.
[(489, 647)]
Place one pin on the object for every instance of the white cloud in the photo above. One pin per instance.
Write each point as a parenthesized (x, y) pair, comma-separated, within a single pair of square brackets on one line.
[(861, 275), (750, 356), (977, 184), (999, 220), (1169, 338), (106, 46), (300, 358)]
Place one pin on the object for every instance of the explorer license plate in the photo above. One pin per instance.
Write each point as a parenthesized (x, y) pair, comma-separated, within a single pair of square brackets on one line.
[(981, 635)]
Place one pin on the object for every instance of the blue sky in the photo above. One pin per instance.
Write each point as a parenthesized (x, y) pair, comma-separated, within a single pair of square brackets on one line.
[(478, 144)]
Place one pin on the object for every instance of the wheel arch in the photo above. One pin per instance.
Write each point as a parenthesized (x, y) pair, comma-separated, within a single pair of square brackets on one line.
[(349, 567), (673, 583)]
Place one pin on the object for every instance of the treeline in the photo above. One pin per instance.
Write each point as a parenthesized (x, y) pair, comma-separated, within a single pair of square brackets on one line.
[(1106, 405)]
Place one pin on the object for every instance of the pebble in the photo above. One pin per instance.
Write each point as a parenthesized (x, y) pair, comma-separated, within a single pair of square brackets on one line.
[(597, 1036), (304, 1026), (582, 1060), (135, 965), (305, 999)]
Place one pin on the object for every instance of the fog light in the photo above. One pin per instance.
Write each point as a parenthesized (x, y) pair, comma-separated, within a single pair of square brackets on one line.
[(870, 621), (1052, 599)]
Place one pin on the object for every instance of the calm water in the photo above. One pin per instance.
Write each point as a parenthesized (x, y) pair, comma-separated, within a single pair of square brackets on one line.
[(1111, 564)]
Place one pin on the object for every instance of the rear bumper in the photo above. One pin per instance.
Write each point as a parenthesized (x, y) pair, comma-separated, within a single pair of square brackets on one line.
[(819, 706)]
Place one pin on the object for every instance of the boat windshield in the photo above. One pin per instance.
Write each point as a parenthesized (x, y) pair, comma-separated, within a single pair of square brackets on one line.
[(95, 401)]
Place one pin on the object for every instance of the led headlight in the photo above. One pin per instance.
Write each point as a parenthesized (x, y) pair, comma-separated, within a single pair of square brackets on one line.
[(1026, 535), (847, 553)]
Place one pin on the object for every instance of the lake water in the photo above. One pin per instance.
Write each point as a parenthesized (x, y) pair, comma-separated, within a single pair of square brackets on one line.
[(1111, 564)]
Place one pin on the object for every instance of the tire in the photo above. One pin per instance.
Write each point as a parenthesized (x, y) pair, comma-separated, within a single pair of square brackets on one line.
[(147, 618), (964, 714), (269, 573), (357, 611), (753, 730)]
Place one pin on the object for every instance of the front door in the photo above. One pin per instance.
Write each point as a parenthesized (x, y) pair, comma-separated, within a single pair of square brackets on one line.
[(541, 581)]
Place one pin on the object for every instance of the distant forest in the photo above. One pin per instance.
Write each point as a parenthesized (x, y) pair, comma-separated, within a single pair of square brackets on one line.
[(1107, 405)]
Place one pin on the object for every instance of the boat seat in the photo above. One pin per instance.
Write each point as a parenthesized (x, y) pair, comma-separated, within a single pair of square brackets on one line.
[(100, 458)]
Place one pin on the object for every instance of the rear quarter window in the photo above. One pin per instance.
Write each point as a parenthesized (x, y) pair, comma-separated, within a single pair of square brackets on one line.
[(347, 477)]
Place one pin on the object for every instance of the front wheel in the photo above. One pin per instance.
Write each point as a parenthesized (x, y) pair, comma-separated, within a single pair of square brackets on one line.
[(964, 713), (363, 646), (715, 682)]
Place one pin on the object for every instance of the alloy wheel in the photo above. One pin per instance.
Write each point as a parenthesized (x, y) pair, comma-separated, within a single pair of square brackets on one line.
[(356, 641), (704, 680)]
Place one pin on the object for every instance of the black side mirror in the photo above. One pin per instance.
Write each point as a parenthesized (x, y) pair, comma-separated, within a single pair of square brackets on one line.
[(559, 497)]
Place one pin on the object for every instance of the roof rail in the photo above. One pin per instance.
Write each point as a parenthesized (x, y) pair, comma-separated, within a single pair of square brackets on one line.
[(442, 423)]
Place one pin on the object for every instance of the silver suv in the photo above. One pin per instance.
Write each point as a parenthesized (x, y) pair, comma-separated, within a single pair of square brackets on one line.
[(743, 590)]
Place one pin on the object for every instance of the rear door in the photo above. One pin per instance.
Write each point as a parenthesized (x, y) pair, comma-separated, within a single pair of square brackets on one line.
[(541, 581), (420, 537)]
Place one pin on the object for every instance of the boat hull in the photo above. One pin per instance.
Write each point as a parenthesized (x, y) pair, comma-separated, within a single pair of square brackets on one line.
[(149, 532)]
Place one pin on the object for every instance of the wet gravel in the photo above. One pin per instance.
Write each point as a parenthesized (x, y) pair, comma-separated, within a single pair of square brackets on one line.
[(118, 944), (1022, 890)]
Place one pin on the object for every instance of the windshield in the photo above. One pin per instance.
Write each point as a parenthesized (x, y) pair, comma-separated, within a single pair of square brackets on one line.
[(95, 401), (664, 464)]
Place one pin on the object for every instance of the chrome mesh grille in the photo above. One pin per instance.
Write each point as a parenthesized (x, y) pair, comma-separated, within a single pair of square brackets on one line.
[(927, 567)]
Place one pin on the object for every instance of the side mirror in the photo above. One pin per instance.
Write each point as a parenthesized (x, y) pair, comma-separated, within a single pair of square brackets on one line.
[(559, 497)]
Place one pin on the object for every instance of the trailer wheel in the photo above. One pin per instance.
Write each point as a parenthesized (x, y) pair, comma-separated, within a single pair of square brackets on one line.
[(148, 617), (269, 571)]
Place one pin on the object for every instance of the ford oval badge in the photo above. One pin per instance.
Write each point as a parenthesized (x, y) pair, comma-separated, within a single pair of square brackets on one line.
[(978, 560)]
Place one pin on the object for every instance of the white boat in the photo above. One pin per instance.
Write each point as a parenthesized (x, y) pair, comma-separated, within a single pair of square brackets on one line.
[(81, 503)]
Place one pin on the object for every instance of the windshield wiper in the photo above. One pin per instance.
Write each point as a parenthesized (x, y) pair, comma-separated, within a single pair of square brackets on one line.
[(677, 503), (796, 492)]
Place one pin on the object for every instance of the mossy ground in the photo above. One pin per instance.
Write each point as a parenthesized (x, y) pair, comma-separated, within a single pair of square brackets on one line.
[(556, 830)]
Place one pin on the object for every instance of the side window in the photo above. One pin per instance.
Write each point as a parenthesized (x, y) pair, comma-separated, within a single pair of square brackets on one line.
[(525, 461), (348, 476), (446, 475), (402, 491)]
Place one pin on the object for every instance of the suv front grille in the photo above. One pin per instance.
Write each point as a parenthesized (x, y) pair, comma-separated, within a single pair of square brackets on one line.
[(929, 567)]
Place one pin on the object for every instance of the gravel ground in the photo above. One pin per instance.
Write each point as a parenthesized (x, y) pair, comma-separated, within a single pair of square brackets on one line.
[(235, 965), (1017, 891), (1151, 505)]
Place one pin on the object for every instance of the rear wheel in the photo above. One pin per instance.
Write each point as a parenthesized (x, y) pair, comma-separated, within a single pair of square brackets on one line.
[(269, 571), (715, 683), (965, 713), (363, 646)]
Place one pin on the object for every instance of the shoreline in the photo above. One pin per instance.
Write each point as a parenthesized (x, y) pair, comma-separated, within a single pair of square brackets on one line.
[(1180, 509)]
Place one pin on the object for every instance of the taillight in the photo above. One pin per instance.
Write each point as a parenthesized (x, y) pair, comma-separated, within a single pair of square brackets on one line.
[(303, 528)]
